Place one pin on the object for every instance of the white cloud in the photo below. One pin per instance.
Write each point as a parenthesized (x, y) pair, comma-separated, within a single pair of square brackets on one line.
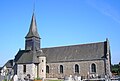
[(105, 8)]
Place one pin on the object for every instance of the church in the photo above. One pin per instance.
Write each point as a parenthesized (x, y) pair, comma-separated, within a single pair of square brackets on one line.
[(85, 60)]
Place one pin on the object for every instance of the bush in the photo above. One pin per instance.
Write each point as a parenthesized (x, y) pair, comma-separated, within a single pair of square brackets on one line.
[(5, 80), (38, 78)]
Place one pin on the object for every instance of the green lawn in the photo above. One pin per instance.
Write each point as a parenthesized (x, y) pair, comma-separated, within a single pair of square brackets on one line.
[(55, 80)]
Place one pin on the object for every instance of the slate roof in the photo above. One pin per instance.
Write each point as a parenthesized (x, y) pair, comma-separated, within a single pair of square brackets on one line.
[(27, 56), (82, 52), (0, 68), (33, 29), (9, 64)]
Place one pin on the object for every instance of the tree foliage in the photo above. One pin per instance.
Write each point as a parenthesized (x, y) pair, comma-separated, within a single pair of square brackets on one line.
[(116, 69)]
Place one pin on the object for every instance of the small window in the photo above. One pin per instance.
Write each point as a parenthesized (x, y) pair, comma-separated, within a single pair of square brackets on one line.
[(93, 68), (61, 68), (76, 68), (24, 68), (47, 69), (42, 70)]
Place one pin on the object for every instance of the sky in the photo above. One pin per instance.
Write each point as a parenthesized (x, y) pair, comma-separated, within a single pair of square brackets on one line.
[(59, 23)]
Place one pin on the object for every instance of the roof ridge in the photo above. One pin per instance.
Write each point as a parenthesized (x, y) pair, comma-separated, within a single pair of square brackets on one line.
[(74, 45)]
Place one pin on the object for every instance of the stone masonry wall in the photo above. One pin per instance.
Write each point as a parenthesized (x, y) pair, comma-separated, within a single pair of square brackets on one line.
[(42, 67), (30, 69), (69, 68)]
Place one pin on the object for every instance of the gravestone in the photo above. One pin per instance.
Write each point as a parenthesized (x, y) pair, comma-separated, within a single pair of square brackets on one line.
[(15, 78)]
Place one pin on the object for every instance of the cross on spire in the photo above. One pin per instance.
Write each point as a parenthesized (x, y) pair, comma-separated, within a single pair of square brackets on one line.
[(34, 6)]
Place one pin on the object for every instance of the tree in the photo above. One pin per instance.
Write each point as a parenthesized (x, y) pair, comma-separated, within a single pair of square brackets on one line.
[(116, 69)]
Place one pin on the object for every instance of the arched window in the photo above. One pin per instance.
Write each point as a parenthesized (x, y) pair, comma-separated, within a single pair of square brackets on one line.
[(76, 68), (47, 69), (61, 68), (93, 68)]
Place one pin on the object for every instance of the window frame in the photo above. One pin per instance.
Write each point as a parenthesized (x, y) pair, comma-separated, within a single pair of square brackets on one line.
[(61, 69), (47, 69), (77, 68), (93, 68), (24, 68)]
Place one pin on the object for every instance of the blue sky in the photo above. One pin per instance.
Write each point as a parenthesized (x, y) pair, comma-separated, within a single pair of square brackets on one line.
[(60, 23)]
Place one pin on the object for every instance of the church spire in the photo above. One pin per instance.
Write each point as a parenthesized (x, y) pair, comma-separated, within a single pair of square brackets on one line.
[(33, 32), (32, 41)]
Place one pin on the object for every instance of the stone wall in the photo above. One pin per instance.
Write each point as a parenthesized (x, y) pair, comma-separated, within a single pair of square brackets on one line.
[(2, 78), (42, 67), (69, 68), (30, 69)]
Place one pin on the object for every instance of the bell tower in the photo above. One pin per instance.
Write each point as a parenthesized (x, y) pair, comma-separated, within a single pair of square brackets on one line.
[(32, 41)]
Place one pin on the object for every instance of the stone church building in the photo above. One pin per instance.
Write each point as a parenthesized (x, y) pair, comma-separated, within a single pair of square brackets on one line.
[(86, 60)]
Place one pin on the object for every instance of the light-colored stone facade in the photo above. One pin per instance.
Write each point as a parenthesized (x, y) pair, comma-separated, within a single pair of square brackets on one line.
[(42, 67), (34, 70), (30, 69)]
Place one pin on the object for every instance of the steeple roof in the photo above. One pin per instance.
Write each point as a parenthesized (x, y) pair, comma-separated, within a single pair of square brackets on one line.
[(33, 28)]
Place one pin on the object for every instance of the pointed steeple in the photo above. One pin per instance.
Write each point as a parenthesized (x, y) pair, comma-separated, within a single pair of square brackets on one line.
[(32, 41), (33, 29)]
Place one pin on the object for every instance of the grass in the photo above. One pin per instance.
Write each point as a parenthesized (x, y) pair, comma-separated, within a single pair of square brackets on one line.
[(55, 80)]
